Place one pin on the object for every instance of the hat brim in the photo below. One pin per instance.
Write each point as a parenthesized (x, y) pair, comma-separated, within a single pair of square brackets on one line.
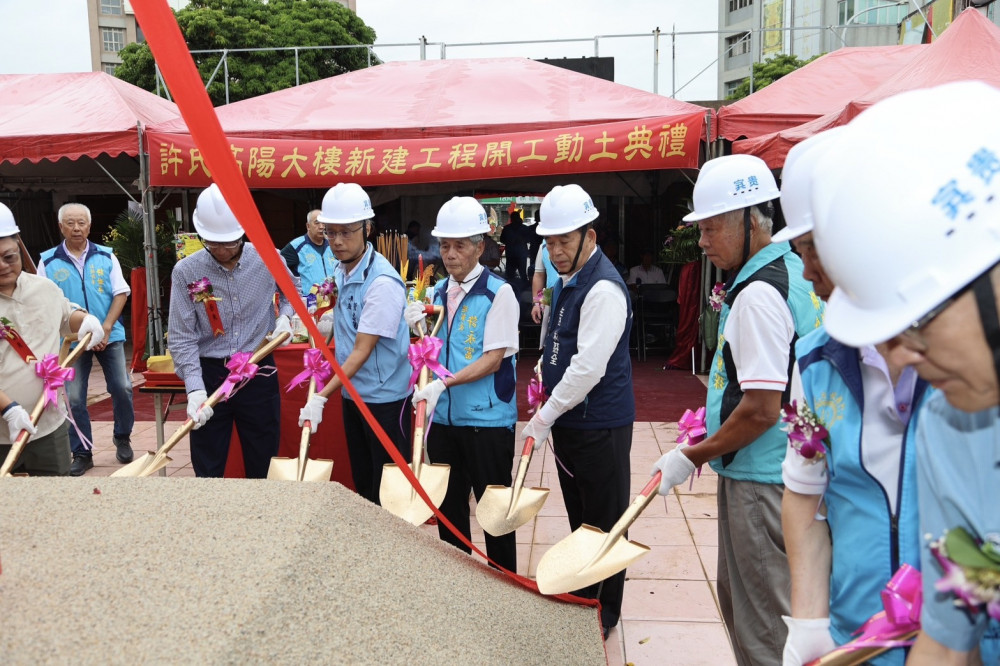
[(856, 327), (340, 220), (790, 232), (211, 236)]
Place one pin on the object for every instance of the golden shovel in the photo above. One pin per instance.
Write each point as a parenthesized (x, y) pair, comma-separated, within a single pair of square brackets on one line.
[(150, 463), (396, 494), (501, 510), (588, 555), (17, 447), (302, 468)]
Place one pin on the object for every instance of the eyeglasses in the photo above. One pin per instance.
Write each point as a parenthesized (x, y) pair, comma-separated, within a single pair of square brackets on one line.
[(11, 258), (914, 332), (345, 233), (225, 246)]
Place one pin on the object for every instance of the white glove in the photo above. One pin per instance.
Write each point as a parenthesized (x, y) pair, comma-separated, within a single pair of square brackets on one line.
[(414, 314), (538, 428), (430, 393), (18, 419), (197, 410), (325, 323), (92, 325), (807, 640), (312, 412), (675, 467), (282, 325)]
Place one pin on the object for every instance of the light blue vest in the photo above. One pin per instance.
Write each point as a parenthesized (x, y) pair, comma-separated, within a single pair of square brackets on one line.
[(869, 542), (488, 402), (778, 266), (92, 290), (385, 375), (551, 274), (315, 265)]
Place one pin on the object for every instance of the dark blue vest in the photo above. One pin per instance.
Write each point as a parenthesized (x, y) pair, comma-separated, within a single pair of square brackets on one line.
[(610, 404)]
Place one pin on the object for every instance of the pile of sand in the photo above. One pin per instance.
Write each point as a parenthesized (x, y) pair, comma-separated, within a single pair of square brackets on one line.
[(230, 571)]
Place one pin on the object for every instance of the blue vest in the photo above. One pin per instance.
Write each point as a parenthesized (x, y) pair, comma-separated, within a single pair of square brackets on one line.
[(610, 404), (778, 266), (315, 265), (385, 375), (92, 290), (488, 402), (869, 542)]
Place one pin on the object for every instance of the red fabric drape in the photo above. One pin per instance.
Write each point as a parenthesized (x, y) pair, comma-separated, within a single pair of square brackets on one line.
[(687, 325), (140, 317)]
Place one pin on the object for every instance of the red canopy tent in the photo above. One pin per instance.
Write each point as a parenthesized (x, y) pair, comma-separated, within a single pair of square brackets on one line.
[(441, 121), (822, 86), (968, 49)]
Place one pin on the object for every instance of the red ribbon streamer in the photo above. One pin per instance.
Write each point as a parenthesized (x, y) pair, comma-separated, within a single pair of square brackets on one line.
[(178, 69), (53, 377), (10, 334)]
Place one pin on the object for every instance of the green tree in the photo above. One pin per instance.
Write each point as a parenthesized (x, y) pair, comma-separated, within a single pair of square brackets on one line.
[(767, 72), (238, 24)]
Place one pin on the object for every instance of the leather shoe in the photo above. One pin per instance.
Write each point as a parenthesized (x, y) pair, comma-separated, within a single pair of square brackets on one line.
[(80, 465), (123, 450), (606, 631)]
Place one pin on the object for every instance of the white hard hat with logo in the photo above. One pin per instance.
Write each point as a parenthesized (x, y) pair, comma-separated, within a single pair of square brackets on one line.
[(905, 218), (731, 182), (796, 178), (213, 219), (565, 208), (8, 227), (461, 217), (345, 203)]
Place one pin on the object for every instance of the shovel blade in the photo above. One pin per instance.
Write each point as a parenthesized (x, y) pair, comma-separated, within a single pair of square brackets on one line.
[(576, 561), (143, 466), (399, 498), (287, 469), (499, 513)]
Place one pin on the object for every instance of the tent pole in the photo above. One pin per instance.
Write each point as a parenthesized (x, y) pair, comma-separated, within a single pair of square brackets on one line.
[(154, 328)]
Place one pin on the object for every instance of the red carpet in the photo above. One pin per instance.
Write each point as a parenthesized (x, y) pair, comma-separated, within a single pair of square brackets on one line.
[(660, 395)]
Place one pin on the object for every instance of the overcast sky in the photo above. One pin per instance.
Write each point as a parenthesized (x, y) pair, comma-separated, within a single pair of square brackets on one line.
[(55, 40)]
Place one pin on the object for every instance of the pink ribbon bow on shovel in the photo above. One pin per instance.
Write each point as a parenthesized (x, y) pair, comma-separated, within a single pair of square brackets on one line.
[(241, 370), (316, 367), (424, 354), (53, 377), (691, 430), (536, 394)]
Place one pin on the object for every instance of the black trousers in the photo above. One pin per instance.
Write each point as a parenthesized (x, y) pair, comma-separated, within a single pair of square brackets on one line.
[(596, 494), (365, 450), (478, 457), (255, 409)]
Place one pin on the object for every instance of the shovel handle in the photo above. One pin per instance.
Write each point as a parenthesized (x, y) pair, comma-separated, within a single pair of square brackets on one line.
[(36, 413), (529, 446), (653, 486)]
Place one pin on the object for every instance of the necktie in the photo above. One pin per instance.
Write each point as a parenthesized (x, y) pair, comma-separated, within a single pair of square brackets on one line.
[(455, 295)]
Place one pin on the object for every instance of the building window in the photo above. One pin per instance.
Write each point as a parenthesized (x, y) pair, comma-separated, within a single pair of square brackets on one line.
[(731, 87), (739, 4), (111, 7), (113, 39), (109, 67), (738, 44), (871, 12)]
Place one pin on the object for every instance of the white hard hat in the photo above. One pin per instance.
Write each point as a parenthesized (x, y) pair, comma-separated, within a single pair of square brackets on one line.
[(796, 176), (732, 182), (904, 218), (213, 220), (565, 208), (8, 227), (345, 203), (461, 217)]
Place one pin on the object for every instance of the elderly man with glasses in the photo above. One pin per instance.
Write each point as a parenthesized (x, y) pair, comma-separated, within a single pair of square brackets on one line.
[(309, 256), (371, 339), (90, 275), (221, 303), (34, 313)]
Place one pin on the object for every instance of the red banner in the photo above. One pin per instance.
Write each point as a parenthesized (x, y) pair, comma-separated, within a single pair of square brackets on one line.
[(667, 142)]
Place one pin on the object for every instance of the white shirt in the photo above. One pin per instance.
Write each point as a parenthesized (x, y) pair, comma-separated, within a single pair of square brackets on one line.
[(761, 345), (883, 423), (384, 299), (603, 317), (652, 275), (118, 283), (502, 319)]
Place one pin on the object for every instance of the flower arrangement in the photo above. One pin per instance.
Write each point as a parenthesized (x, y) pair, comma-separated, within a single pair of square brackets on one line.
[(200, 291), (806, 432), (718, 296), (681, 245), (971, 571), (126, 239)]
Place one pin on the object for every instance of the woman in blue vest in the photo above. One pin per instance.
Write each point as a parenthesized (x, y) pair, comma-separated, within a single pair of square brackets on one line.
[(475, 410), (370, 337), (587, 374)]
